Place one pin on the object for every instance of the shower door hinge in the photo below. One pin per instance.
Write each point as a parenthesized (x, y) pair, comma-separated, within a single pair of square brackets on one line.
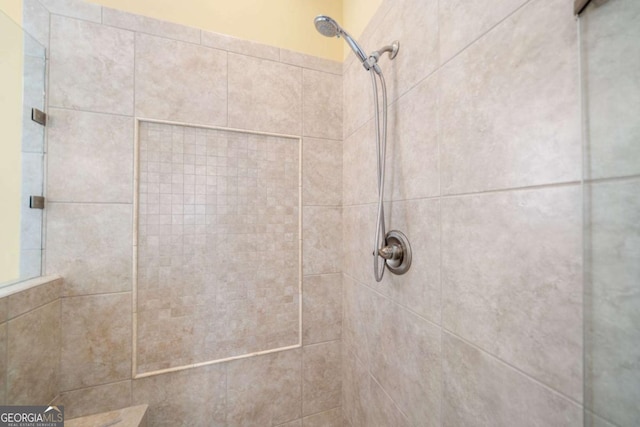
[(39, 116), (36, 202)]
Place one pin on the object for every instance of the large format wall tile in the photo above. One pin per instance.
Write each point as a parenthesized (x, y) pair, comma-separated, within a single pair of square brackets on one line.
[(92, 400), (482, 391), (144, 24), (321, 172), (419, 288), (90, 157), (31, 298), (611, 64), (90, 245), (321, 308), (91, 67), (359, 226), (511, 279), (264, 95), (75, 9), (358, 318), (355, 390), (510, 105), (405, 360), (322, 105), (419, 220), (415, 24), (612, 291), (164, 90), (96, 340), (310, 62), (359, 164), (195, 397), (244, 47), (33, 355), (321, 383), (264, 390), (462, 22), (412, 144), (357, 98), (366, 404), (320, 246)]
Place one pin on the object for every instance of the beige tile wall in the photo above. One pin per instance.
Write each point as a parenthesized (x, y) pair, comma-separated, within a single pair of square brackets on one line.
[(484, 164), (108, 67), (30, 342)]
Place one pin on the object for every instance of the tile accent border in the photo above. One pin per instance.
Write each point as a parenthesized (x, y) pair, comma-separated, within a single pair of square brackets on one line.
[(136, 183)]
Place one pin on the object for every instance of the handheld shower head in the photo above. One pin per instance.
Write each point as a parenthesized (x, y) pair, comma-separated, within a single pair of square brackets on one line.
[(328, 27)]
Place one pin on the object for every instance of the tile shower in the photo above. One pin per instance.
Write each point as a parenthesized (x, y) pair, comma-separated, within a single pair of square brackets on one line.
[(252, 193), (208, 198)]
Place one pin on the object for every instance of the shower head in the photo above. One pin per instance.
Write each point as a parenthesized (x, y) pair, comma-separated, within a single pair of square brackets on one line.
[(328, 27)]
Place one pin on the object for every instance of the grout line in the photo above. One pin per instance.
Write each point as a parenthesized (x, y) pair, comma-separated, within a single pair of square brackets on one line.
[(409, 310), (485, 192), (94, 295), (319, 343), (439, 160), (595, 415), (480, 36), (78, 110), (11, 319), (375, 380), (95, 386), (320, 412), (442, 65), (624, 178), (513, 367)]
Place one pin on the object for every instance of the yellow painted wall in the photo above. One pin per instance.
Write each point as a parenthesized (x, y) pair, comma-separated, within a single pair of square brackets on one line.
[(12, 8), (356, 15), (282, 23), (10, 143)]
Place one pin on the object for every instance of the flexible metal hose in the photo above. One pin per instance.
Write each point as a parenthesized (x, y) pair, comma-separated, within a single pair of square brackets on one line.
[(381, 147)]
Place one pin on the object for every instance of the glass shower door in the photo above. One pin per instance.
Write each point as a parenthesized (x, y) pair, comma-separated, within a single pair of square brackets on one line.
[(610, 78)]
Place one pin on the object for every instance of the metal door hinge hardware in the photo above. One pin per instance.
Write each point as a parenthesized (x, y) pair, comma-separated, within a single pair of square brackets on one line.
[(36, 202), (38, 116)]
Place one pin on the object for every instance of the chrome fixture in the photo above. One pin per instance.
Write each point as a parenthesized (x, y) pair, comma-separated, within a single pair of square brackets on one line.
[(394, 246), (397, 253)]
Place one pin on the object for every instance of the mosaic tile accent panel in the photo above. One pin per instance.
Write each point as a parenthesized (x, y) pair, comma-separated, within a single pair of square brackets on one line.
[(218, 245)]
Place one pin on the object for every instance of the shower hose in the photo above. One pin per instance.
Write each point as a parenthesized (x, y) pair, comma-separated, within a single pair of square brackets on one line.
[(381, 148)]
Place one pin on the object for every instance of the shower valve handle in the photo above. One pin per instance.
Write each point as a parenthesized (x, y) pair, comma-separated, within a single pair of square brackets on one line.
[(391, 252)]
